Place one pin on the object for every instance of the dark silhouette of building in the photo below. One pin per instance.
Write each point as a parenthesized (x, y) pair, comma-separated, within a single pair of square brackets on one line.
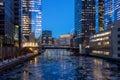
[(17, 23), (47, 38), (84, 20), (6, 23), (10, 23)]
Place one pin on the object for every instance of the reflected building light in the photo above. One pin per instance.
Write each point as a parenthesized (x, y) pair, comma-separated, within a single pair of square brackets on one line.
[(1, 3), (101, 52), (35, 60), (31, 62)]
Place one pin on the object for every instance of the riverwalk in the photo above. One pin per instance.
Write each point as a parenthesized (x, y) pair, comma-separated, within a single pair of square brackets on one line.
[(7, 64)]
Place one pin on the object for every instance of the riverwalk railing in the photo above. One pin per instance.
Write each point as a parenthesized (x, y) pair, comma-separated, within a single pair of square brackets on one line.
[(7, 53)]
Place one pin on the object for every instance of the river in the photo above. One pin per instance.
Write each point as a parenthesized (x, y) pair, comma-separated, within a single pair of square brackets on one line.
[(58, 65)]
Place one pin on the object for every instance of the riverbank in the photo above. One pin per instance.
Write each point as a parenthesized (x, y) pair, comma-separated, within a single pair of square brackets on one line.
[(95, 56), (106, 58), (14, 62)]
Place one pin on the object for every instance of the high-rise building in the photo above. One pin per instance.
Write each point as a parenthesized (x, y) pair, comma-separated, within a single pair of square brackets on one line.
[(26, 18), (6, 23), (84, 20), (112, 12), (17, 23), (99, 6), (31, 17), (36, 18)]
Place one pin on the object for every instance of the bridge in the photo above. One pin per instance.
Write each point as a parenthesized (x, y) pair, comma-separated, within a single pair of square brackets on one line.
[(57, 47), (36, 46), (54, 47)]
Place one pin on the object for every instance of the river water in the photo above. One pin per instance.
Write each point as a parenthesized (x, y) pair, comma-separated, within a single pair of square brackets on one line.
[(58, 65)]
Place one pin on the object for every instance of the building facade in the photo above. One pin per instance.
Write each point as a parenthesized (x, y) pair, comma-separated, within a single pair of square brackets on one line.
[(26, 18), (6, 23), (65, 40), (111, 12), (99, 6), (31, 18), (84, 20), (47, 38), (36, 17), (17, 23), (107, 43)]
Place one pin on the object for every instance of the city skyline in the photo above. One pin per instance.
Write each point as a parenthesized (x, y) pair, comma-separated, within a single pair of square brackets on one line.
[(59, 40)]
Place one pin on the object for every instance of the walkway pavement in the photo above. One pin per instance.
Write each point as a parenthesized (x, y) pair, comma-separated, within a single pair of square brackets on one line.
[(11, 62)]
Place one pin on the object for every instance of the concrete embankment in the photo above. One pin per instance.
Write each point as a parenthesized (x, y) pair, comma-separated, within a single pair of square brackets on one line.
[(16, 62), (106, 58), (96, 56)]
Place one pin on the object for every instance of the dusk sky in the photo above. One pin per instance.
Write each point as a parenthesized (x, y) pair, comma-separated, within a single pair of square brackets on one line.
[(58, 16)]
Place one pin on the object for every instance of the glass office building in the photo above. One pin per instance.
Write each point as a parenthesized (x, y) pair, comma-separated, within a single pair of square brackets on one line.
[(26, 19), (112, 11), (99, 6), (31, 18), (6, 23), (17, 23), (84, 20), (36, 18), (108, 15)]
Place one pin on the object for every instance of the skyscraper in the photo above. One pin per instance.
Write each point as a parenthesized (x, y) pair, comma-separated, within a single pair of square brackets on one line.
[(112, 12), (6, 23), (31, 18), (17, 23), (36, 17), (26, 18), (99, 15), (109, 16), (84, 20)]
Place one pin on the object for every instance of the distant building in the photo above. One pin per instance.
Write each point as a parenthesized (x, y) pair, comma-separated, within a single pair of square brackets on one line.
[(56, 42), (72, 41), (65, 40), (84, 20), (47, 38), (32, 37), (107, 43), (6, 23)]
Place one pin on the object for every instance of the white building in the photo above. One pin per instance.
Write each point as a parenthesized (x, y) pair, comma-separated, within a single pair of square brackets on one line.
[(107, 43)]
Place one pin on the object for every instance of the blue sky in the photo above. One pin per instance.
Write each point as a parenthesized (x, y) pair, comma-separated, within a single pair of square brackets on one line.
[(58, 16)]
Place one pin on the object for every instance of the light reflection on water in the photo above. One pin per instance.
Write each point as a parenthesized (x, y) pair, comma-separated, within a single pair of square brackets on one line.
[(58, 65)]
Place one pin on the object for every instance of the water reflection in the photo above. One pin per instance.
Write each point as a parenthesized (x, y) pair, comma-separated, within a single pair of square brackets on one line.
[(58, 65), (97, 70)]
